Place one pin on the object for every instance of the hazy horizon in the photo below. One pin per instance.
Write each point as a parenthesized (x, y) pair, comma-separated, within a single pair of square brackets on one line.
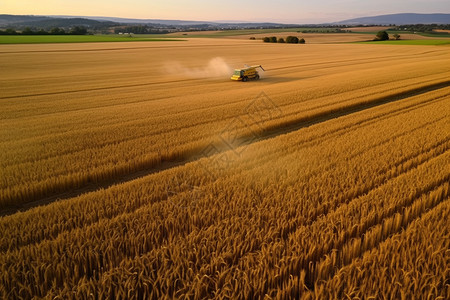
[(284, 11)]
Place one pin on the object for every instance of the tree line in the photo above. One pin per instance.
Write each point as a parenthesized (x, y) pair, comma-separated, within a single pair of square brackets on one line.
[(428, 28), (140, 30), (384, 36), (290, 40), (77, 30)]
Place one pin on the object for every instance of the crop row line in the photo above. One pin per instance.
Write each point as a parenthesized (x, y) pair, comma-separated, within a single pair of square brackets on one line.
[(370, 235)]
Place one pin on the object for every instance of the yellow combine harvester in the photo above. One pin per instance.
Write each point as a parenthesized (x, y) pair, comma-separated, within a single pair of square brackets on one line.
[(247, 73)]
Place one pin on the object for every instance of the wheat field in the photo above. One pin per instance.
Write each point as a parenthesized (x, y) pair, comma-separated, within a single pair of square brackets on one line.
[(139, 170)]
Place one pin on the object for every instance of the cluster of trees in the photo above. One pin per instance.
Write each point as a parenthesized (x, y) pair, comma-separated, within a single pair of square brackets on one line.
[(290, 39), (381, 36), (423, 27), (77, 30), (142, 29), (325, 30), (384, 36)]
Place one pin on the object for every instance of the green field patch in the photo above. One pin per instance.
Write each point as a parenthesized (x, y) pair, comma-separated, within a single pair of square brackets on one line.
[(400, 32), (43, 39), (410, 42), (436, 35), (237, 32)]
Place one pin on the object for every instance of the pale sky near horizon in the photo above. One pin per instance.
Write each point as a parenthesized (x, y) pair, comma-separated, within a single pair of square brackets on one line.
[(285, 11)]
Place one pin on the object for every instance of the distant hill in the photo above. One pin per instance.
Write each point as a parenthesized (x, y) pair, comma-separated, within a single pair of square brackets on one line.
[(399, 19), (46, 22), (6, 20), (223, 24), (151, 21), (49, 22), (96, 23), (61, 22)]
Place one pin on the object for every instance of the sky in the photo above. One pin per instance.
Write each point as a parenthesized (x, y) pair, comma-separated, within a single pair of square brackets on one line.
[(284, 11)]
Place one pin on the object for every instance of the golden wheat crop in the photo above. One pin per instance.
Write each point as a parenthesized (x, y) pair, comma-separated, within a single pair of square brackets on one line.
[(350, 205), (65, 132)]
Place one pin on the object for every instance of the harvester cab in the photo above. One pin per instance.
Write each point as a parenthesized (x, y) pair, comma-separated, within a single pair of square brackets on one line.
[(247, 73)]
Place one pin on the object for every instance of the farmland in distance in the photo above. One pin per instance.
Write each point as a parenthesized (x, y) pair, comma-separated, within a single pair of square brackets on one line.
[(140, 170)]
